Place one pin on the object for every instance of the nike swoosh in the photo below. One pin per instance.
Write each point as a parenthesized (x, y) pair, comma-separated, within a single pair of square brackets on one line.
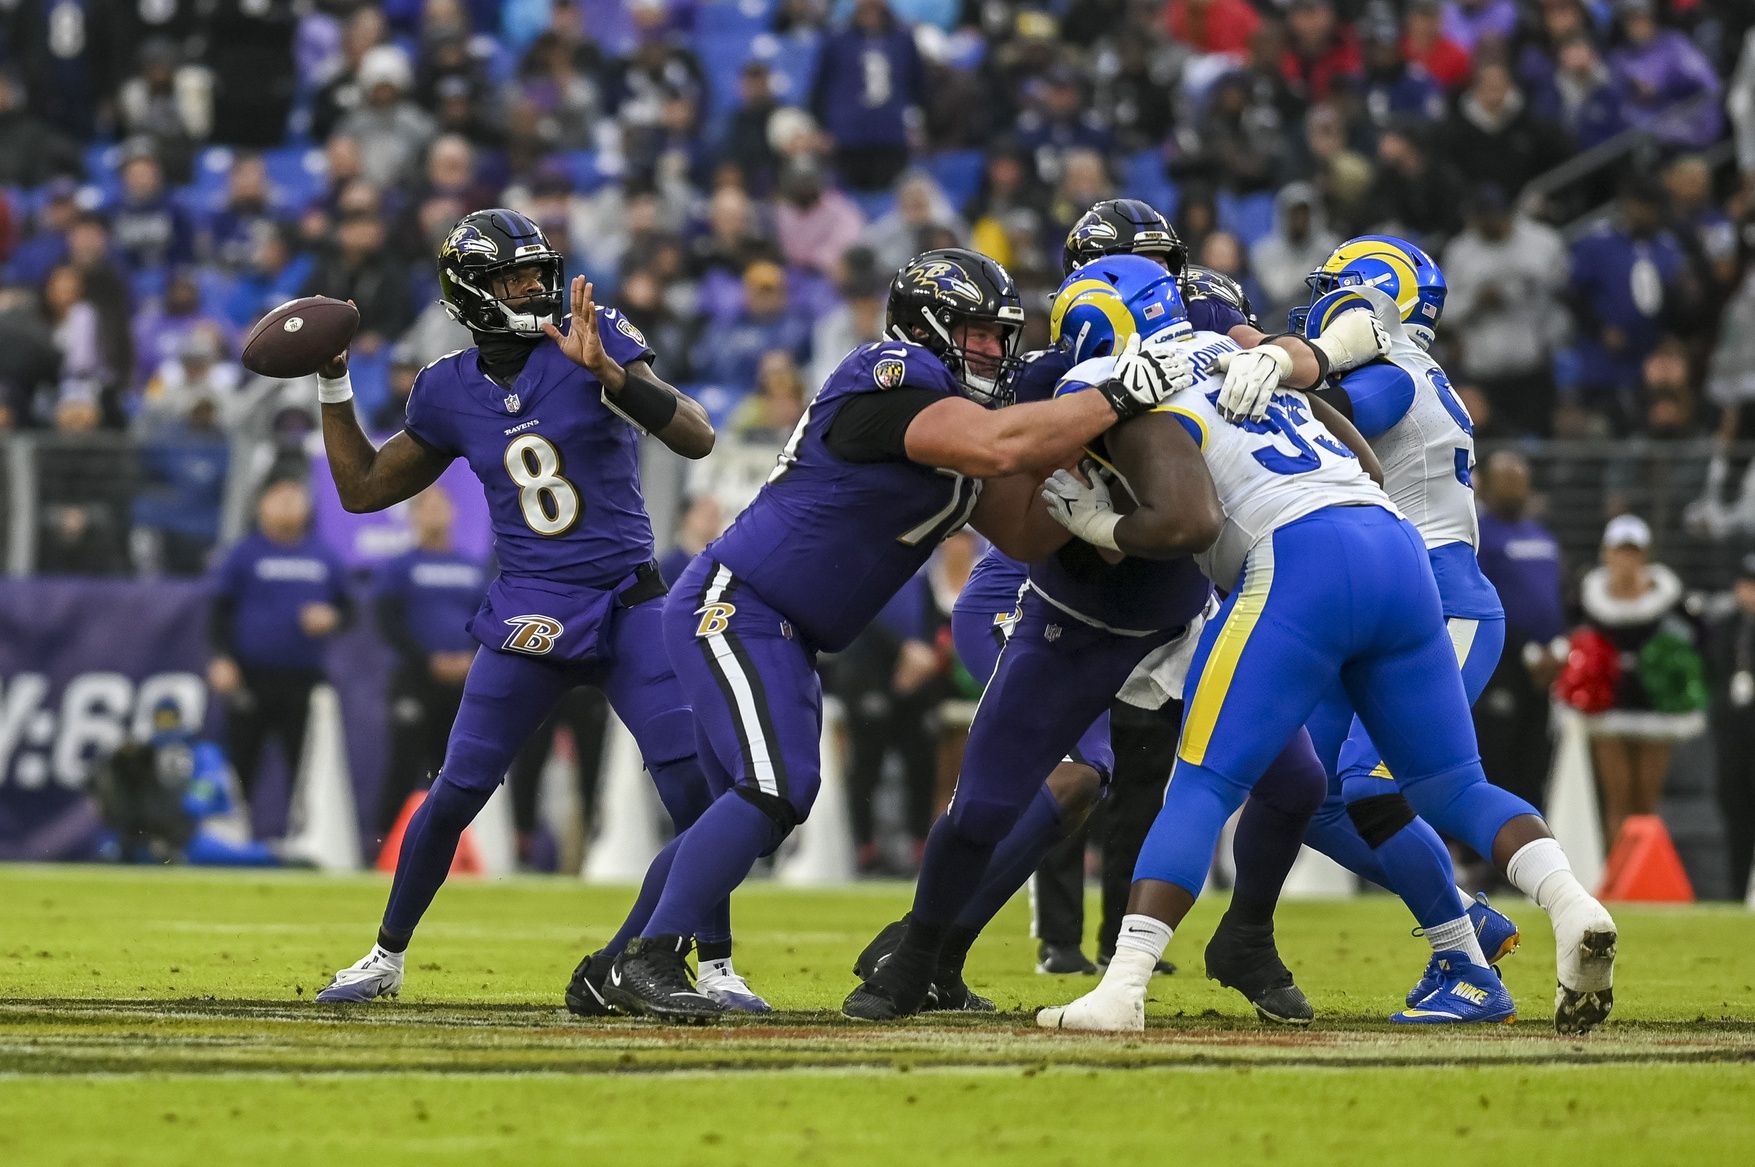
[(1427, 1013), (615, 976)]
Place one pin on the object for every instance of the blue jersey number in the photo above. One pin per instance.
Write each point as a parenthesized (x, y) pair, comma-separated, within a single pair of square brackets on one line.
[(1304, 457), (1447, 397)]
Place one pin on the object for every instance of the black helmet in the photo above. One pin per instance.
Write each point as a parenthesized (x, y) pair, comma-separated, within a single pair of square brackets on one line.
[(1122, 227), (1205, 283), (936, 292), (483, 245)]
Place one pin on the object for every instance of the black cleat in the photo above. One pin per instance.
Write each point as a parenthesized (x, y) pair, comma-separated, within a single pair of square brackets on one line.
[(1243, 957), (951, 994), (585, 990), (878, 951), (651, 977), (896, 989), (1064, 960)]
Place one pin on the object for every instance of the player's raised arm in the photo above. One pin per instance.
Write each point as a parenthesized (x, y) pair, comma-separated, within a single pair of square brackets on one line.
[(635, 391), (366, 477)]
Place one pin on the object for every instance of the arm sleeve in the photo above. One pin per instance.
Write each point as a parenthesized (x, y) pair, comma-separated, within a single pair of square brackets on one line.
[(424, 422), (1209, 314), (624, 343), (872, 427), (1380, 394)]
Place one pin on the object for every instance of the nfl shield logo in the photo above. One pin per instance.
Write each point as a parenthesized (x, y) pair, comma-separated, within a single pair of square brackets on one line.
[(1051, 633), (512, 403)]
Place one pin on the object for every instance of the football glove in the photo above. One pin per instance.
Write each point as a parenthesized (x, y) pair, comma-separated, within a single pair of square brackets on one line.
[(1084, 509), (1141, 381), (1355, 338), (1251, 376)]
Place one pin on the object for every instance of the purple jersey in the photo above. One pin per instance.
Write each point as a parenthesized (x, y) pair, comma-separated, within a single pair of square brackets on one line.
[(827, 542), (561, 471)]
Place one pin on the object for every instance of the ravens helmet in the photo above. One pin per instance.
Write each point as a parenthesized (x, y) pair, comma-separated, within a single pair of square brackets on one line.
[(938, 294), (1205, 283), (1123, 227), (485, 245)]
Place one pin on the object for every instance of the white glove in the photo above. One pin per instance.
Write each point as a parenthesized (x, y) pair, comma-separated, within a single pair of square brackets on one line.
[(1355, 338), (1251, 376), (1085, 510), (1142, 380)]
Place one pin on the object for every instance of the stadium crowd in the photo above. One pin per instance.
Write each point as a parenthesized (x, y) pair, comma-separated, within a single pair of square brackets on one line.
[(742, 176)]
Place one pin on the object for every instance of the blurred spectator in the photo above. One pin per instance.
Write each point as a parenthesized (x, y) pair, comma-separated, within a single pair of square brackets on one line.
[(199, 372), (1223, 252), (857, 320), (642, 298), (1494, 133), (160, 328), (1298, 244), (1469, 22), (1730, 645), (1395, 87), (815, 223), (232, 232), (1415, 189), (84, 481), (89, 251), (358, 268), (184, 462), (1138, 90), (68, 53), (1628, 283), (746, 142), (1740, 102), (275, 273), (1507, 273), (1213, 26), (392, 131), (74, 322), (342, 92), (920, 206), (1671, 87), (150, 230), (278, 595), (1666, 392), (424, 600), (1636, 605), (867, 89), (1426, 44), (769, 414), (1322, 51), (31, 150), (47, 245), (730, 353), (30, 361), (1240, 139), (254, 77), (557, 78), (1522, 559), (1084, 180), (1706, 233), (703, 520), (389, 417), (170, 104), (1581, 95), (1060, 120)]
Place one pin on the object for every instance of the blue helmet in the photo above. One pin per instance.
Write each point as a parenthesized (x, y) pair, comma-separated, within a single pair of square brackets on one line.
[(1393, 266), (1104, 302)]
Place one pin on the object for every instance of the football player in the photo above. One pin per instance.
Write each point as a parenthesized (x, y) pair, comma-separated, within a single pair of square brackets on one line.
[(899, 447), (1084, 625), (547, 407), (1328, 585), (1405, 406)]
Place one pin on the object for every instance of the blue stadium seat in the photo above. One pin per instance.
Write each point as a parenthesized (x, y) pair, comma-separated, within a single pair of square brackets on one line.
[(370, 374), (1143, 177), (748, 17), (298, 174), (584, 169), (959, 174), (1249, 217), (875, 204), (794, 64), (103, 166), (720, 401)]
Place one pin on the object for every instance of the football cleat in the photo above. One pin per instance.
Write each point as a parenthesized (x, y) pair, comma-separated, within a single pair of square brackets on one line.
[(951, 994), (585, 990), (895, 989), (1105, 1009), (377, 974), (878, 951), (1585, 939), (1243, 957), (1499, 938), (1064, 960), (729, 990), (651, 977), (1469, 994)]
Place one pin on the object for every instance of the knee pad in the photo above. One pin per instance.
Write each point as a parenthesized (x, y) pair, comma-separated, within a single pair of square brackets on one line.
[(983, 821), (453, 805), (474, 763), (666, 737), (1378, 817), (782, 814)]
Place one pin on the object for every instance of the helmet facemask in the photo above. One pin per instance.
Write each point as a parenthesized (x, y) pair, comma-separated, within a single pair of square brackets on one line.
[(987, 380), (473, 298)]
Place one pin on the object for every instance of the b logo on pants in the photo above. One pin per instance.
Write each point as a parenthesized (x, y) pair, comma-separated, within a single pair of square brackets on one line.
[(715, 618), (533, 635)]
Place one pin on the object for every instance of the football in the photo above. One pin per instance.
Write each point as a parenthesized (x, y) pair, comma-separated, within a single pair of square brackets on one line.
[(297, 337)]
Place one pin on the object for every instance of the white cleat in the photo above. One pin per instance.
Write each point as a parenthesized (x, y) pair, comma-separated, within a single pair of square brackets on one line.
[(377, 974), (1114, 1011), (731, 992), (1585, 939)]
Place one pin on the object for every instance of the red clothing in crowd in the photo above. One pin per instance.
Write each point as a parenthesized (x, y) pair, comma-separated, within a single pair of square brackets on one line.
[(1447, 61), (1213, 26), (1317, 74)]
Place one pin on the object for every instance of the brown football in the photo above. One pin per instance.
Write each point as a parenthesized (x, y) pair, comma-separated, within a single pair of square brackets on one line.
[(297, 337)]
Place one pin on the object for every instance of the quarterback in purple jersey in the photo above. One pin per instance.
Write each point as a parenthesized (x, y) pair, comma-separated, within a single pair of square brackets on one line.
[(898, 449), (549, 418)]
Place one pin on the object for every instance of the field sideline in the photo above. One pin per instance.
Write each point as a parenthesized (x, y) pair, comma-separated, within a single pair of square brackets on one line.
[(163, 1016)]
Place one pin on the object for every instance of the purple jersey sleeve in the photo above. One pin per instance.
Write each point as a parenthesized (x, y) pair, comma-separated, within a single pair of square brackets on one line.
[(1041, 370), (624, 343), (1210, 314), (427, 419)]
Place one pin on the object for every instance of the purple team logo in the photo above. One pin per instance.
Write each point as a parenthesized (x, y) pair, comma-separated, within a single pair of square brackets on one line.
[(949, 278), (467, 240)]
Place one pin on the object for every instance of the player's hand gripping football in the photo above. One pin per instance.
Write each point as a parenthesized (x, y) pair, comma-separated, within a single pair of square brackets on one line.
[(1082, 505), (335, 366), (1143, 380), (580, 342)]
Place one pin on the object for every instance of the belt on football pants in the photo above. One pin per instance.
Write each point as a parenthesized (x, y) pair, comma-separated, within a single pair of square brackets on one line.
[(648, 585)]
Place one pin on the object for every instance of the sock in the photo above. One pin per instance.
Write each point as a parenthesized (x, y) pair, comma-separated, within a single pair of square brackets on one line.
[(1265, 847), (392, 955), (713, 951), (712, 858), (394, 945), (954, 952), (1139, 946), (1420, 873), (427, 850), (715, 967), (1465, 899), (1540, 871), (951, 867), (1457, 935), (1037, 831), (651, 888)]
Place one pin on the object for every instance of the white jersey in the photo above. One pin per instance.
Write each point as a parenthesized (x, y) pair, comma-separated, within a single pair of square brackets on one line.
[(1268, 473), (1428, 451)]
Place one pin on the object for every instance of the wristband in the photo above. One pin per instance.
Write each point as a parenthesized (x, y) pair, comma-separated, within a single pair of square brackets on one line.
[(1100, 531), (642, 403), (334, 390)]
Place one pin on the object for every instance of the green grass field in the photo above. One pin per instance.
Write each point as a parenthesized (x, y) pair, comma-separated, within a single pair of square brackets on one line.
[(152, 1016)]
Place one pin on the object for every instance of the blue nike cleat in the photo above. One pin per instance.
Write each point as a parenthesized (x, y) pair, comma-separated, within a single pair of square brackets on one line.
[(1469, 994), (1499, 938)]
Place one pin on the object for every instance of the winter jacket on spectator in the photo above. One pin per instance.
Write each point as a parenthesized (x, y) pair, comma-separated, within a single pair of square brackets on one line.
[(70, 52), (1213, 26), (1672, 89), (1625, 289), (1582, 96), (1493, 134), (865, 84), (1468, 21), (1504, 310), (31, 150)]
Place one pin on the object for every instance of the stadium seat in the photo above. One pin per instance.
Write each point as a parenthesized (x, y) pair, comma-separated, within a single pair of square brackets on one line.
[(748, 17), (1143, 177), (298, 175), (720, 401), (585, 169), (1249, 217), (958, 173)]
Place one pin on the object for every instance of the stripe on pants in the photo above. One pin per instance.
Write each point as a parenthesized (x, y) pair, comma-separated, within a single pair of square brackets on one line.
[(743, 692), (1221, 665)]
